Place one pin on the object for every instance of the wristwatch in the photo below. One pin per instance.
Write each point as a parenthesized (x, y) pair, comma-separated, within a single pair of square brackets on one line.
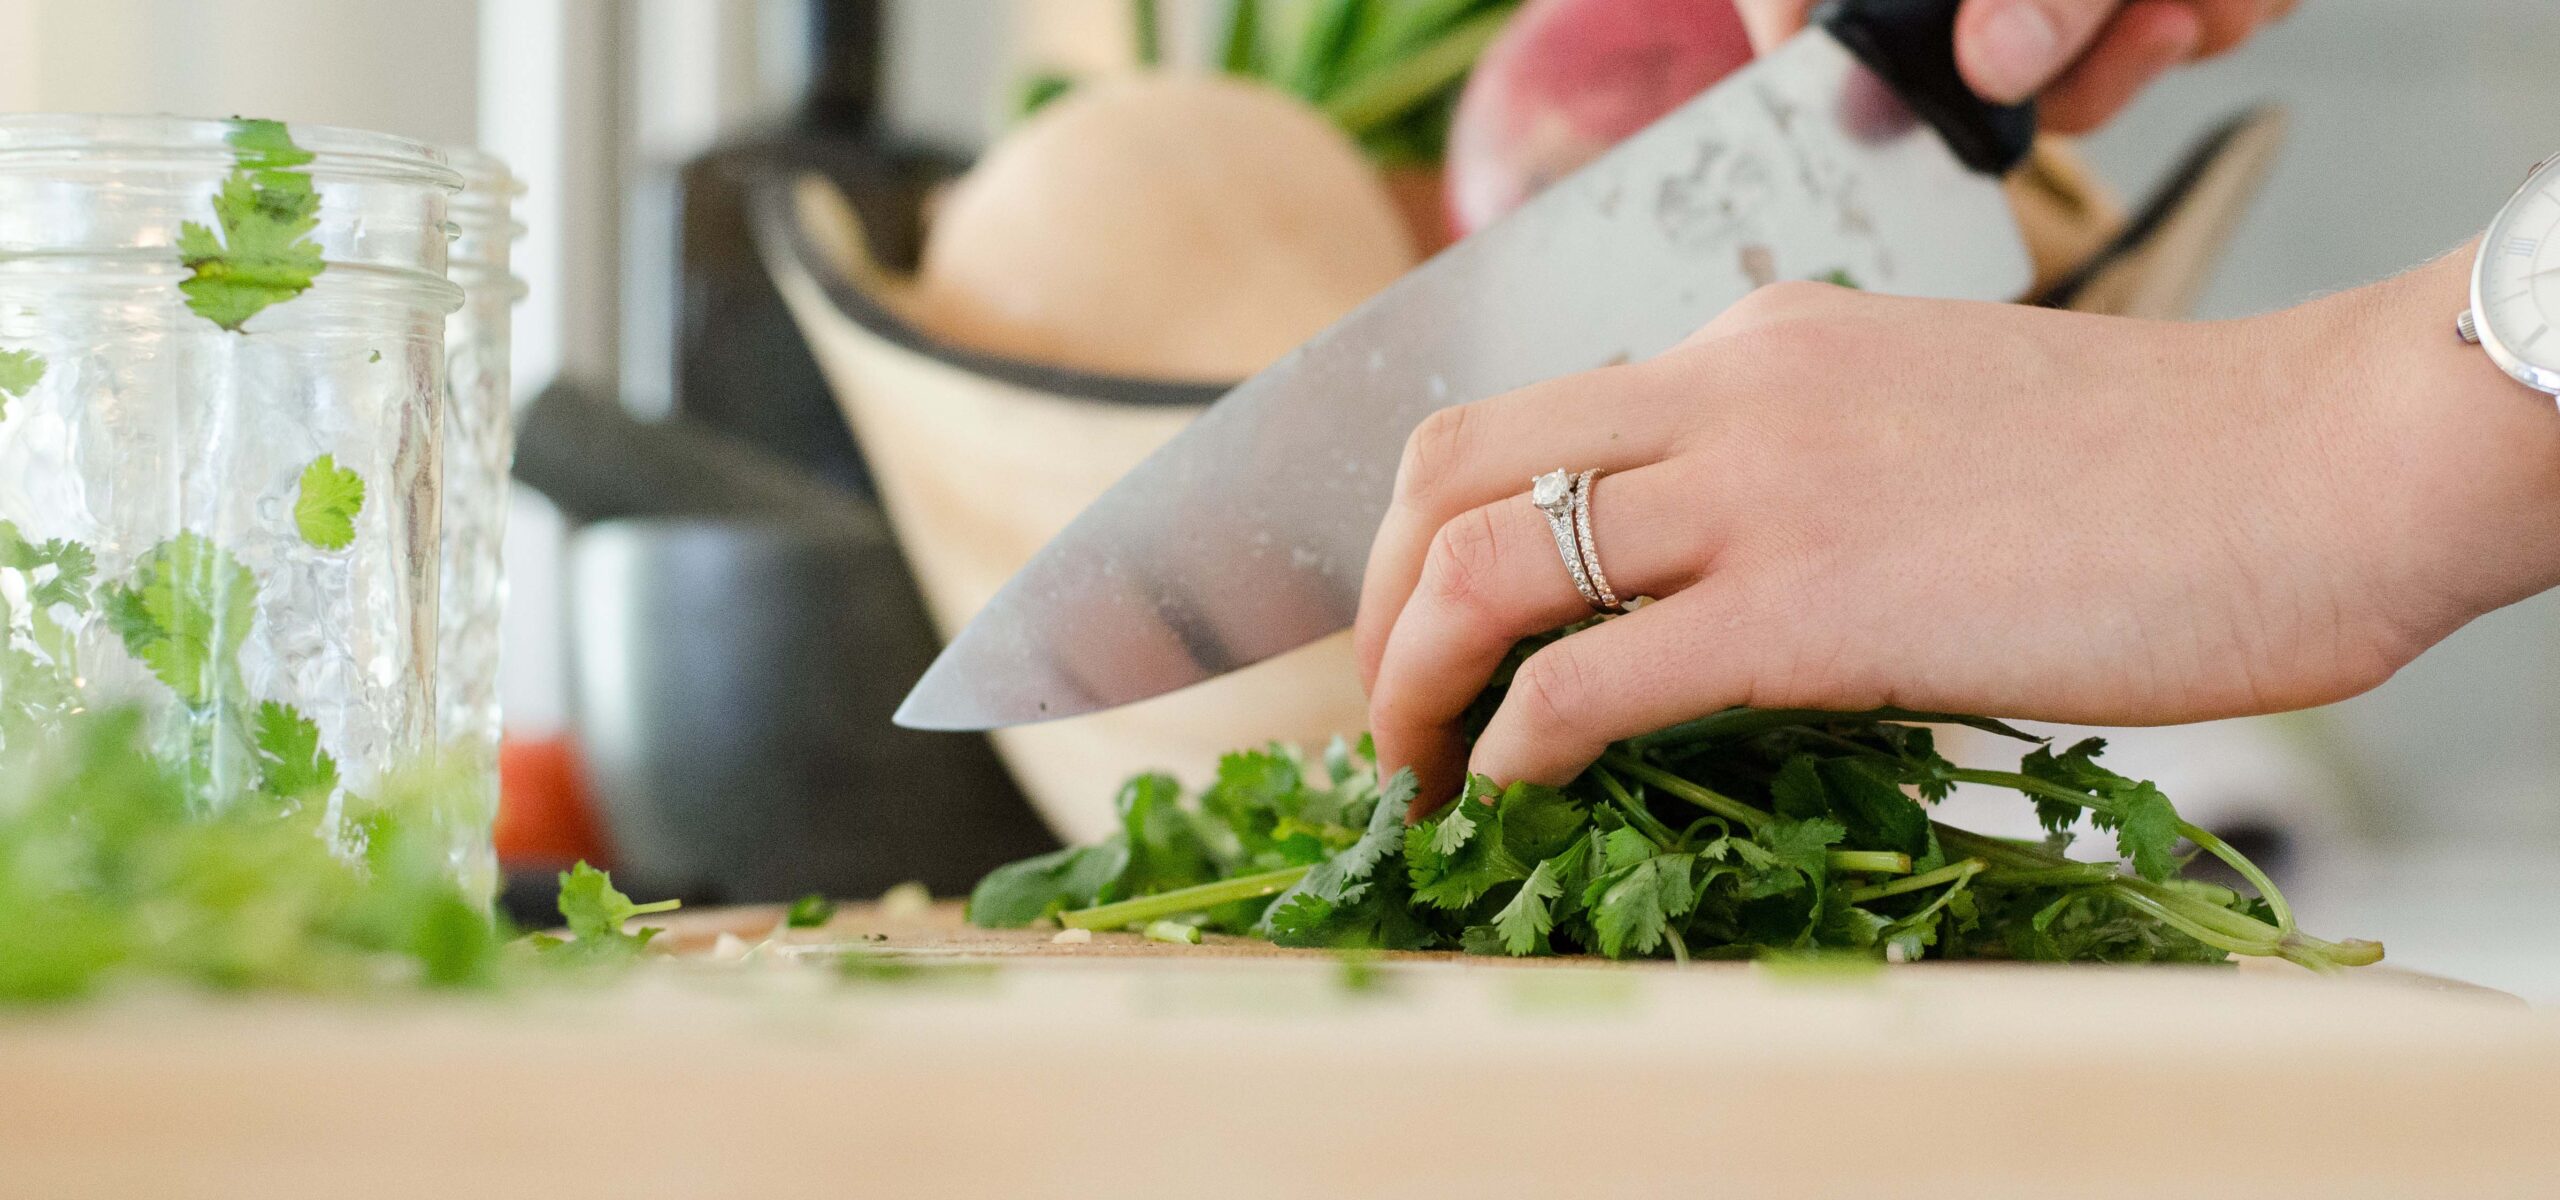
[(2515, 284)]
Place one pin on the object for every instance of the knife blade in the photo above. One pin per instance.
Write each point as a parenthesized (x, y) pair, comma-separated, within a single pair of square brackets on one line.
[(1852, 151)]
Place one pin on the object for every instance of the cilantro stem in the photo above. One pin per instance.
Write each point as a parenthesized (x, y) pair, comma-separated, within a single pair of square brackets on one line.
[(655, 906), (1744, 722), (1951, 873), (2248, 870), (1871, 862), (2215, 846), (2075, 875), (1715, 802), (2221, 928), (1197, 898), (1863, 861)]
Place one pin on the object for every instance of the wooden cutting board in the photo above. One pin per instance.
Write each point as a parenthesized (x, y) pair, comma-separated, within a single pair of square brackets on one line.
[(1013, 1067)]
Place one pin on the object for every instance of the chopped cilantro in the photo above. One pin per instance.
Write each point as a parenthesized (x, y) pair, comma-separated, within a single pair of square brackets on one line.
[(20, 372), (595, 913), (185, 614), (1173, 931), (325, 509), (809, 912), (291, 761), (262, 254)]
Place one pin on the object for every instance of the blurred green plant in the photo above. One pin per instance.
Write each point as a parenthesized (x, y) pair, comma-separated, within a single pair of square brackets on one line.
[(1388, 72)]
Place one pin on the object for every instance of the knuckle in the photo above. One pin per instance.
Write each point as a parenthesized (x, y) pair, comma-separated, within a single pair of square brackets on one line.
[(1464, 561), (1553, 693), (1432, 455), (1781, 301)]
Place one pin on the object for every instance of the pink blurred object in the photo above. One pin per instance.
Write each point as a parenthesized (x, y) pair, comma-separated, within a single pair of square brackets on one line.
[(1570, 78)]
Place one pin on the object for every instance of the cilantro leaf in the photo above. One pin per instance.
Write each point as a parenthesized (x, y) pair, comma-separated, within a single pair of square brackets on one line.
[(262, 255), (1637, 904), (1872, 809), (595, 912), (1795, 854), (1165, 847), (185, 614), (20, 372), (1472, 846), (1349, 901), (809, 912), (1525, 922), (2147, 831), (326, 507), (1797, 792), (72, 564), (1041, 887), (291, 763)]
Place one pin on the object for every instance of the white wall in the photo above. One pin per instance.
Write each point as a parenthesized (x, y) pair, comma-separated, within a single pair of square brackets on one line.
[(401, 66)]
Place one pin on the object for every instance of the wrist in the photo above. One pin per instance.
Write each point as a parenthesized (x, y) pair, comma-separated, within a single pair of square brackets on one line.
[(2452, 467)]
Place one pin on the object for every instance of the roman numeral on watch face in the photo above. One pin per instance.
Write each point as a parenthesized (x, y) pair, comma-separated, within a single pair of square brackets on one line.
[(2517, 286)]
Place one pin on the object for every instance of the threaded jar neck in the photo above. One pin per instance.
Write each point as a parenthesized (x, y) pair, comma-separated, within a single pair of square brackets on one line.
[(132, 195)]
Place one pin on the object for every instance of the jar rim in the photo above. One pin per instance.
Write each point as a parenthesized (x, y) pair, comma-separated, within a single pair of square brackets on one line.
[(485, 211), (336, 151), (483, 173)]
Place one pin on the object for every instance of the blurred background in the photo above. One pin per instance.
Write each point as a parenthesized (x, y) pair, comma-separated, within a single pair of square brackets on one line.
[(710, 615)]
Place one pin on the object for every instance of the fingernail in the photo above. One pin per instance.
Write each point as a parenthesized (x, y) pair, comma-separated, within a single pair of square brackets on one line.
[(2018, 49)]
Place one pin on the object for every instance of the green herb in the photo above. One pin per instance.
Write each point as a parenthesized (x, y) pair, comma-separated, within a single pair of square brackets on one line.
[(262, 255), (1039, 90), (110, 872), (1173, 931), (39, 663), (809, 912), (326, 507), (1744, 834), (20, 372), (595, 913), (184, 614), (292, 766)]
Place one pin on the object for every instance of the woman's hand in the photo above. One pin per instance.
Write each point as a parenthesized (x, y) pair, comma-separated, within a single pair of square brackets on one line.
[(2086, 58), (1847, 501)]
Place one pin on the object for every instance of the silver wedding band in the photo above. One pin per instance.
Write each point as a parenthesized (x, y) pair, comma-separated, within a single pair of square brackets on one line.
[(1565, 499)]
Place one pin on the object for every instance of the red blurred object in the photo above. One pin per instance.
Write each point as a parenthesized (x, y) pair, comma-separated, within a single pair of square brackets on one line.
[(546, 815), (1570, 78)]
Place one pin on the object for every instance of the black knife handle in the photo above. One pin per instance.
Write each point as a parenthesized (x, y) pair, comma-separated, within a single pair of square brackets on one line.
[(1911, 44)]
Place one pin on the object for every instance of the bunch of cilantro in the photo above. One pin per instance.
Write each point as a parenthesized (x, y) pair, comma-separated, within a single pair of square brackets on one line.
[(1743, 834)]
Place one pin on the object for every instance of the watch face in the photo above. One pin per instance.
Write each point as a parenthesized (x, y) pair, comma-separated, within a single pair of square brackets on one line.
[(2515, 292)]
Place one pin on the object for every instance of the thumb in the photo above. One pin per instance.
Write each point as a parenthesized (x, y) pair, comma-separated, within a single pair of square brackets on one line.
[(1770, 22), (2010, 49)]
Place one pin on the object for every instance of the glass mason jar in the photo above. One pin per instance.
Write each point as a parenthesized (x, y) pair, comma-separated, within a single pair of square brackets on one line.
[(221, 390), (479, 450)]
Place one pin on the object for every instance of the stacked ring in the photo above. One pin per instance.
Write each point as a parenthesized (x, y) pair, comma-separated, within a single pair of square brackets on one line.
[(1565, 499)]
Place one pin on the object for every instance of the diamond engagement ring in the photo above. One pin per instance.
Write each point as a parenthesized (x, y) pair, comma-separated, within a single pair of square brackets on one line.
[(1565, 499), (1598, 593)]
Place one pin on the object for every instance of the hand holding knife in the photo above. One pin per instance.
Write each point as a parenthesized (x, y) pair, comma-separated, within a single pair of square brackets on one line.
[(2083, 60)]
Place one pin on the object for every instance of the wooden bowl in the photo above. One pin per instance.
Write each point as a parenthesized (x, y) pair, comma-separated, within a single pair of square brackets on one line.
[(980, 460)]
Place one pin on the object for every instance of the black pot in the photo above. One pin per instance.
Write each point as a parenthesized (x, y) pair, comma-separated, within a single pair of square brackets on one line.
[(732, 680)]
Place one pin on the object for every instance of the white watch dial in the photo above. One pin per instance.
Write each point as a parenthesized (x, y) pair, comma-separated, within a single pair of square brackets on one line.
[(2515, 291)]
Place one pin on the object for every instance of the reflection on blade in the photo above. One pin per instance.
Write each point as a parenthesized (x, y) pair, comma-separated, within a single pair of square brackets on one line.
[(1246, 535)]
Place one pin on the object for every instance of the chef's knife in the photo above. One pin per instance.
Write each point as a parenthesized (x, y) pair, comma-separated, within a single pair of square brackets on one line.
[(1854, 151)]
